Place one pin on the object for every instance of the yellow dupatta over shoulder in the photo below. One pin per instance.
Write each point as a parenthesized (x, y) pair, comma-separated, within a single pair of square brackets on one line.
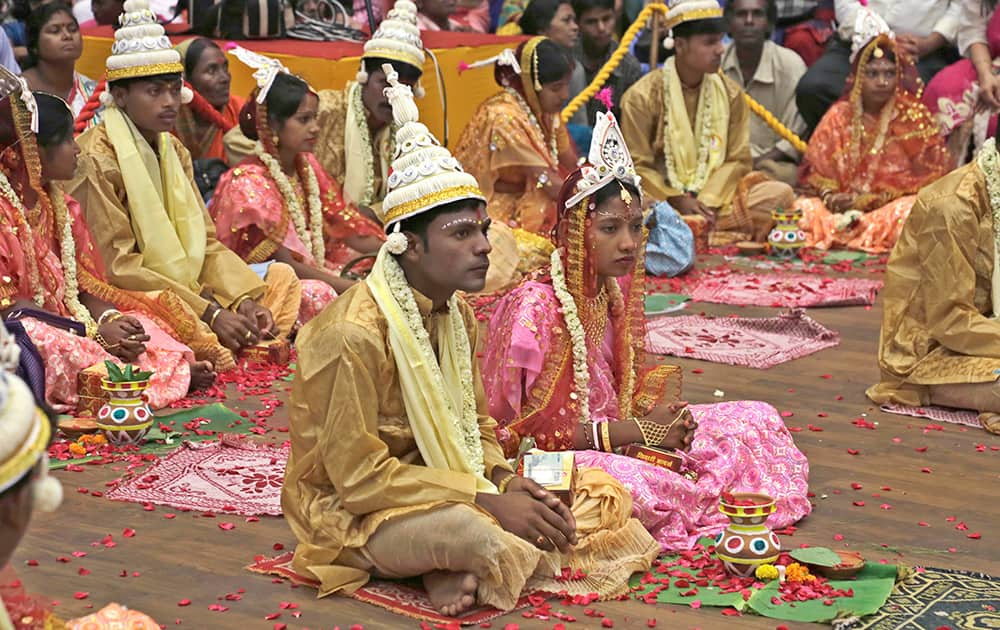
[(168, 222), (692, 155), (438, 394)]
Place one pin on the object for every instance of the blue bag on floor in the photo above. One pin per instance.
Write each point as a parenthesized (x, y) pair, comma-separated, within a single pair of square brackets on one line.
[(670, 248)]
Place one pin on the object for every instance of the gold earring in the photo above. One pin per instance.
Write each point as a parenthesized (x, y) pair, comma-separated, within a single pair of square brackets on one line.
[(275, 140)]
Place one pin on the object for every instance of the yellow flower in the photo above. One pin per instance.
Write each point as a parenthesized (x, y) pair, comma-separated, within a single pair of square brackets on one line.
[(795, 572), (766, 572)]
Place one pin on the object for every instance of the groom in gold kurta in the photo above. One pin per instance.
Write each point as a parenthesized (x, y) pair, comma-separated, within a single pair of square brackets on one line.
[(688, 129), (940, 341), (395, 470), (135, 184)]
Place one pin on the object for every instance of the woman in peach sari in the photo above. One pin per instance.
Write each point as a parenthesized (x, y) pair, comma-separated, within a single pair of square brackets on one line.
[(870, 154), (280, 205)]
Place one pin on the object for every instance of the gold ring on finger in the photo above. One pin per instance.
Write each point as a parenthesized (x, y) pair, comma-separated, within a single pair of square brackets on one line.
[(540, 541)]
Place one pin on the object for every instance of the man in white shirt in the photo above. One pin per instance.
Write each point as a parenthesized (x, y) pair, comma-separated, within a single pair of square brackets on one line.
[(769, 73), (926, 28)]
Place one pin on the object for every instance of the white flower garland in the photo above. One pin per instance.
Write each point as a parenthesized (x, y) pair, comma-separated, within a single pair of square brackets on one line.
[(465, 421), (989, 163), (369, 162), (553, 145), (67, 253), (311, 234), (704, 140), (581, 370), (67, 245), (15, 200)]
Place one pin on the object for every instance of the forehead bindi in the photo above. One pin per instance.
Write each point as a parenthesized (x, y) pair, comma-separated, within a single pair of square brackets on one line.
[(469, 218)]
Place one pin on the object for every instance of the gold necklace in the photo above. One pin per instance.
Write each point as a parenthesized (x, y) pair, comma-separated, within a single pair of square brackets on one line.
[(595, 323)]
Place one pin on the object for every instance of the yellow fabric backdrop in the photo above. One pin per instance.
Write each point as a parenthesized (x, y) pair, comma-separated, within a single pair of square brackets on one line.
[(465, 92)]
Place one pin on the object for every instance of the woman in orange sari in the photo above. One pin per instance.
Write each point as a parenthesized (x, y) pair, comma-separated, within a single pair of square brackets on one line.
[(280, 205), (203, 122), (870, 154), (516, 145)]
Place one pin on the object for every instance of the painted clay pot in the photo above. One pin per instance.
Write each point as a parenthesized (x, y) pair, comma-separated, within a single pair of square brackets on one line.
[(786, 238), (747, 542), (125, 418)]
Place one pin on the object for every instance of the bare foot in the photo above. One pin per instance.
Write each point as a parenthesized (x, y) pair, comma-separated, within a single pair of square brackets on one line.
[(202, 375), (450, 592)]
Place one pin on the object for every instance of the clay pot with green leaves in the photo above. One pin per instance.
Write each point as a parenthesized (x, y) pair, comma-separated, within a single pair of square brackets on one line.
[(125, 418)]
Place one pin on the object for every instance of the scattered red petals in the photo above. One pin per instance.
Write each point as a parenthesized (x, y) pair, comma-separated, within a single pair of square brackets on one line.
[(128, 533), (227, 526), (974, 536), (184, 602), (81, 595)]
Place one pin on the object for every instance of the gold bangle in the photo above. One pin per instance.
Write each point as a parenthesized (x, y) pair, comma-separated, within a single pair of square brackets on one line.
[(606, 446), (109, 315), (502, 486), (239, 302), (90, 328), (215, 315)]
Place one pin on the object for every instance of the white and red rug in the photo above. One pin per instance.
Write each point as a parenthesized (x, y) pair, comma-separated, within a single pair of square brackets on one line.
[(232, 476), (759, 343), (783, 290)]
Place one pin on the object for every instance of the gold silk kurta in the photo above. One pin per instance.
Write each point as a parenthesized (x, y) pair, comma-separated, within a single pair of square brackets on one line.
[(100, 190), (643, 128), (354, 462), (937, 324)]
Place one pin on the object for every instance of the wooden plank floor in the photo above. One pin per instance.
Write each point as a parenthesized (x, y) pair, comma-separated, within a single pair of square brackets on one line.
[(189, 557)]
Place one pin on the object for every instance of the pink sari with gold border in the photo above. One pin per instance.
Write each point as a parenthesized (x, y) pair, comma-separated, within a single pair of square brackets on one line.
[(530, 386)]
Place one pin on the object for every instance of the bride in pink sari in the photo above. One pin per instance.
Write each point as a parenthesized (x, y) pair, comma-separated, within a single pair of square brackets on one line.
[(564, 365)]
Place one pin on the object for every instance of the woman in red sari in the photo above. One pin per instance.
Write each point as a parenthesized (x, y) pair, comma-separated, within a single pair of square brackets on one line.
[(50, 272), (870, 154), (280, 205)]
